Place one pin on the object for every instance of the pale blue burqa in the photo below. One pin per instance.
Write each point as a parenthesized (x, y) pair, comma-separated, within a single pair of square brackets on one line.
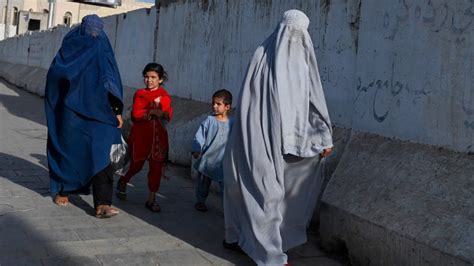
[(272, 165)]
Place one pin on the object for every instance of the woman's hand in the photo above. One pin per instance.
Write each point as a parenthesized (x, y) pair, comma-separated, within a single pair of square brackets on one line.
[(120, 121), (326, 152)]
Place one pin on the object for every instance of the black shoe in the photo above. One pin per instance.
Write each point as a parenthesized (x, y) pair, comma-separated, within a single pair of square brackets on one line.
[(232, 246)]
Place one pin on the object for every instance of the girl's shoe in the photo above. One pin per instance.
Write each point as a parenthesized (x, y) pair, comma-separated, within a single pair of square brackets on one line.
[(120, 192), (153, 207)]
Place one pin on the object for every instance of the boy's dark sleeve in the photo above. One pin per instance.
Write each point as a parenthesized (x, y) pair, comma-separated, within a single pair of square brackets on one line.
[(116, 104)]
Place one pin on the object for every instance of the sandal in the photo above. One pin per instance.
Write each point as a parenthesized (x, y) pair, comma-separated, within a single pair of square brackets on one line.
[(153, 207), (61, 199), (106, 212), (121, 190), (200, 207)]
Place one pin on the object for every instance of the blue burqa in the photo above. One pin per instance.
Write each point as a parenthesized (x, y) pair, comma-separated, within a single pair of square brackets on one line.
[(81, 123)]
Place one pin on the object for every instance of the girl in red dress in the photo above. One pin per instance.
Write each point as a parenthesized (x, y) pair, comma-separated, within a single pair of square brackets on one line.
[(148, 139)]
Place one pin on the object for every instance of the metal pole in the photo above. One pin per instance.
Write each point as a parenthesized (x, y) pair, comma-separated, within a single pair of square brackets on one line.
[(52, 7), (7, 21)]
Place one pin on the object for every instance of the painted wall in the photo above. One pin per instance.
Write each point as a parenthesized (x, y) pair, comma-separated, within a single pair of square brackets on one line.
[(401, 69)]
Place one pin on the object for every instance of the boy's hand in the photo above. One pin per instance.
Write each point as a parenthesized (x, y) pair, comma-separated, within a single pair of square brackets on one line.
[(120, 121), (196, 155), (326, 152)]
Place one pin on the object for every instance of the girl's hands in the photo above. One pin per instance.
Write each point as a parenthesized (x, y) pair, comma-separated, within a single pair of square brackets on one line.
[(157, 100), (155, 113), (120, 121), (158, 113)]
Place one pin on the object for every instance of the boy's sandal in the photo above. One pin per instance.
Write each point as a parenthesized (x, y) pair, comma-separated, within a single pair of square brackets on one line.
[(200, 207), (232, 246), (106, 213), (153, 207)]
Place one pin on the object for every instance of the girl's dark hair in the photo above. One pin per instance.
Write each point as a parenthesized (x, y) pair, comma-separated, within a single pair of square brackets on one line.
[(156, 68)]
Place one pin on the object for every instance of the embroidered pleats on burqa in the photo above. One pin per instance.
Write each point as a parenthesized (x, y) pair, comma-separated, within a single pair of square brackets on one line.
[(272, 168), (81, 123)]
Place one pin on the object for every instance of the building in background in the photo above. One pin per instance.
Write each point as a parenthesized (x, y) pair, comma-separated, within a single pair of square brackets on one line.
[(21, 16)]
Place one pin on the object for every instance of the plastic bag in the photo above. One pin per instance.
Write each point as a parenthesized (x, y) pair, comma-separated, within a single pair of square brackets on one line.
[(120, 157)]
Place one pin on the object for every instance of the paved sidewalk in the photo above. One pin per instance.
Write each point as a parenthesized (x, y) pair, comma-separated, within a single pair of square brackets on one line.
[(34, 231)]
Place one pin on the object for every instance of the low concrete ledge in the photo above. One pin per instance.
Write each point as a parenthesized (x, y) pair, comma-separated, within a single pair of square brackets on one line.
[(188, 115), (397, 203), (31, 79)]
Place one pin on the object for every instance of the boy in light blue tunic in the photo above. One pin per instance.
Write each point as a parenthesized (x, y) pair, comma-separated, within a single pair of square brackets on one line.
[(209, 146)]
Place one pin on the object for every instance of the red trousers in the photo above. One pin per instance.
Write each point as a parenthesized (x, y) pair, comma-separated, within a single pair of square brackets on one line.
[(154, 173)]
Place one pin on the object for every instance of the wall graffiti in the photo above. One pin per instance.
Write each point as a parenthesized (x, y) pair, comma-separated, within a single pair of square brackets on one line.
[(388, 92), (435, 15)]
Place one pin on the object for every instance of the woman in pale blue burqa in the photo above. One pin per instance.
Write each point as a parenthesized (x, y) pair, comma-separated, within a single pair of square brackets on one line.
[(274, 157), (83, 104)]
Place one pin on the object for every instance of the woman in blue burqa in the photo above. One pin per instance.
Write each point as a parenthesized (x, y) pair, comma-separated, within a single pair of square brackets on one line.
[(83, 103), (276, 150)]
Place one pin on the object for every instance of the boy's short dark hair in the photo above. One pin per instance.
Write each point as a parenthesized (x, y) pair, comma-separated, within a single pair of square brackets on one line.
[(156, 68), (225, 95)]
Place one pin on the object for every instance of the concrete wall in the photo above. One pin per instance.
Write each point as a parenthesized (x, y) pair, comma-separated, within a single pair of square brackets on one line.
[(415, 69), (218, 38), (77, 10), (134, 44), (398, 69), (130, 34), (377, 76), (25, 60)]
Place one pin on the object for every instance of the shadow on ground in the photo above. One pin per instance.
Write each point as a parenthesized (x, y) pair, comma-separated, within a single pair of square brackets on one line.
[(33, 229)]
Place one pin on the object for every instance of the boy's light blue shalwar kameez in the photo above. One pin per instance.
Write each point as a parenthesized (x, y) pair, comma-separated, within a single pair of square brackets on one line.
[(210, 140)]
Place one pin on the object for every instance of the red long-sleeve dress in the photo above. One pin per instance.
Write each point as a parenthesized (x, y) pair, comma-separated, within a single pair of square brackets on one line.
[(148, 138)]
